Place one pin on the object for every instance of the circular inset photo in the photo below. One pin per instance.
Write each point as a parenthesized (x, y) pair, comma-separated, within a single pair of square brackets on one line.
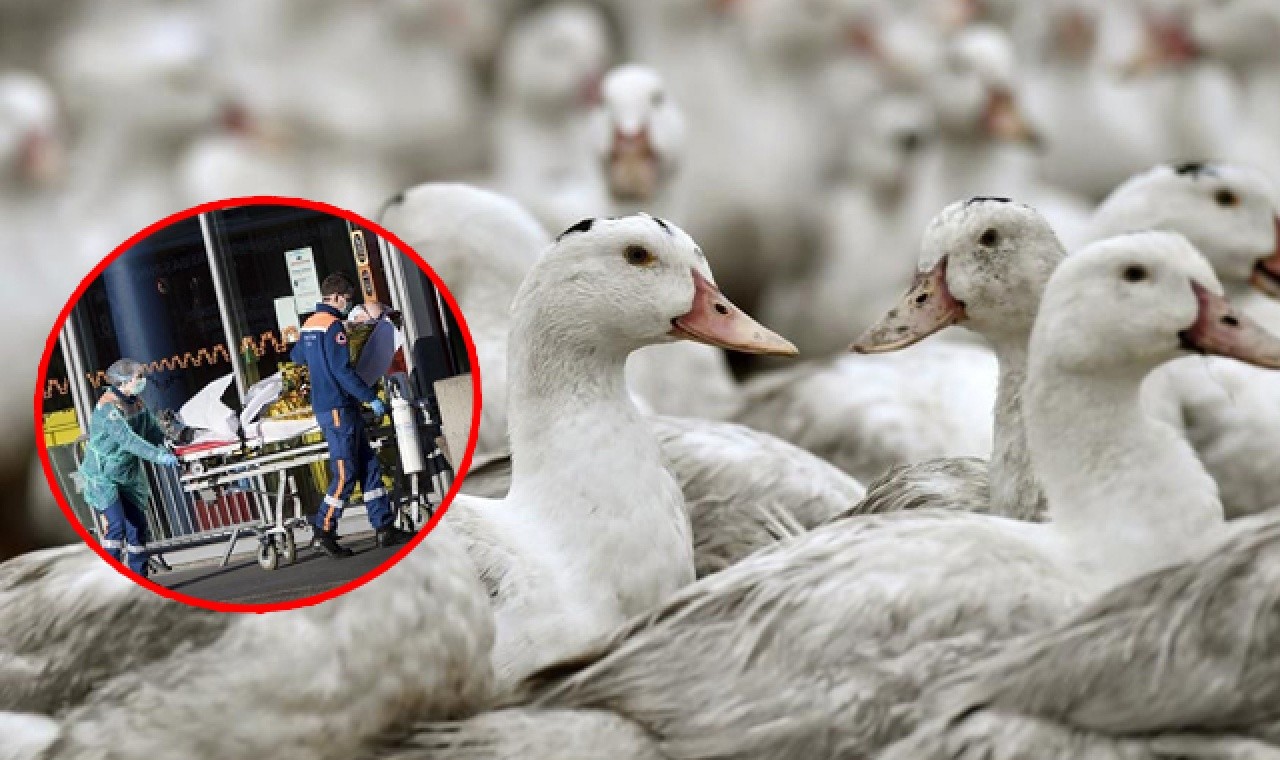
[(257, 404)]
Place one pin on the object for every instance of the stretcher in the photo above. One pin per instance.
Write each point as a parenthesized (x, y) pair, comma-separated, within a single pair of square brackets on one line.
[(275, 447)]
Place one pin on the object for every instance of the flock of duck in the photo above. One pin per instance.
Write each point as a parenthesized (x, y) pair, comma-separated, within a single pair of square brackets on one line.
[(1049, 534)]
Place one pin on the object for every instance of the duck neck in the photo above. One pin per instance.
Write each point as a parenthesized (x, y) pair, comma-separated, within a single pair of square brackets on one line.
[(572, 424), (1015, 490), (587, 474), (1126, 493)]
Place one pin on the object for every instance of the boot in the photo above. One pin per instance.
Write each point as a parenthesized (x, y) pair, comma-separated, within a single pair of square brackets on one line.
[(392, 536), (328, 544)]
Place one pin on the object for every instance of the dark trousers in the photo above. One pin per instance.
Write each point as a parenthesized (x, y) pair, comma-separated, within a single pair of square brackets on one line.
[(126, 534), (351, 461)]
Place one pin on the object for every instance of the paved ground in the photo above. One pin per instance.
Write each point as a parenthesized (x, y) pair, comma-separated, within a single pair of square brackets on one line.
[(244, 582)]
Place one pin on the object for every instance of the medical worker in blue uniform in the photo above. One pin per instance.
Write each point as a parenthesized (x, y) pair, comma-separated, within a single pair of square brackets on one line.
[(336, 395), (122, 433)]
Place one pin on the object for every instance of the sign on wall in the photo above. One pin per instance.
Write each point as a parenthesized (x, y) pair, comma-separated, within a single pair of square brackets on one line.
[(303, 279)]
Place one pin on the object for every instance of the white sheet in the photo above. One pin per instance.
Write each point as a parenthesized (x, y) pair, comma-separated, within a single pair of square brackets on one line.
[(206, 412)]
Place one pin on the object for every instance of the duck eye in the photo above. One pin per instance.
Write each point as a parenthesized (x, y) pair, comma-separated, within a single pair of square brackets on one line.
[(657, 98), (989, 237), (638, 256), (1225, 197), (1135, 273)]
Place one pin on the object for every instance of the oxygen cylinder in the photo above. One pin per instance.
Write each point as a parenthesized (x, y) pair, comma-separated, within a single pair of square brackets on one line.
[(407, 436)]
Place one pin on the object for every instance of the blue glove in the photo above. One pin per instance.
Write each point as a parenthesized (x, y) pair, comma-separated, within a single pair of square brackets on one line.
[(167, 459), (379, 408)]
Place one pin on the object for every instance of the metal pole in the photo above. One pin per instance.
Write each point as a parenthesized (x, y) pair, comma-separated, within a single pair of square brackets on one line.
[(81, 396), (393, 264), (220, 291)]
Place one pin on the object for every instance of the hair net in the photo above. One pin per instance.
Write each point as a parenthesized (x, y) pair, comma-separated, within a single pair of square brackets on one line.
[(124, 370)]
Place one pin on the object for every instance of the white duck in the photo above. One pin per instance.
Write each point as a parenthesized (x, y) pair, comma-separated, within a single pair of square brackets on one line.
[(1245, 36), (1230, 412), (985, 140), (548, 77), (982, 264), (481, 244), (822, 645), (593, 530), (127, 673), (1195, 103), (1094, 136)]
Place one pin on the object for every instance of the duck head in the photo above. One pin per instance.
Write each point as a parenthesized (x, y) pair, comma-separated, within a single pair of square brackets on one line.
[(555, 57), (975, 88), (983, 264), (1229, 213), (638, 133), (1129, 303), (639, 281), (31, 143)]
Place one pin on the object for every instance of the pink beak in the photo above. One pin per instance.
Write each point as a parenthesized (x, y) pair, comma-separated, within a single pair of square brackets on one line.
[(714, 320), (924, 310), (1266, 273), (1220, 329), (1168, 43)]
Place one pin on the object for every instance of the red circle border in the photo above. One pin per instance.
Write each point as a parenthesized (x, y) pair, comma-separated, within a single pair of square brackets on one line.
[(252, 200)]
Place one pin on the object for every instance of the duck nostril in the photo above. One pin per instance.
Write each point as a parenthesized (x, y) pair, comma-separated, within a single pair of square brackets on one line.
[(722, 309), (1230, 321)]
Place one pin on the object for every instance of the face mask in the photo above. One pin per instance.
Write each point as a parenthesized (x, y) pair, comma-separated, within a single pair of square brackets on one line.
[(136, 387)]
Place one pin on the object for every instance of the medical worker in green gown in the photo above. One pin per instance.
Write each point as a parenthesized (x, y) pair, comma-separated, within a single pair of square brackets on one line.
[(122, 433)]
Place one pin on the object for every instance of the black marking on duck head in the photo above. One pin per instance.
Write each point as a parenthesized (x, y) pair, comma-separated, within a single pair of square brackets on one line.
[(581, 226), (390, 203), (1194, 169), (983, 198), (665, 227)]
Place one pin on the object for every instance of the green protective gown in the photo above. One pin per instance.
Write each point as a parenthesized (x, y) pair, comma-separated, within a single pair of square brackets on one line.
[(121, 435)]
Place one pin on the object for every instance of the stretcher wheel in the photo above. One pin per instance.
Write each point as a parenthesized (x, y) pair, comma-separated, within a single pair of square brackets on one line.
[(288, 547), (267, 557)]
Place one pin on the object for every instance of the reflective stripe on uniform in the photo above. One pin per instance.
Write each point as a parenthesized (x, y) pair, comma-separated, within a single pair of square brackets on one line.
[(112, 543), (342, 482), (374, 493), (135, 549)]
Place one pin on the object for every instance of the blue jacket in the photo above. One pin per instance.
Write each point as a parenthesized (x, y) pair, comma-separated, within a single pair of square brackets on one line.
[(323, 348)]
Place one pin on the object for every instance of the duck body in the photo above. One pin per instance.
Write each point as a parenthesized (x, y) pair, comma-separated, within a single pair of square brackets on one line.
[(867, 414), (1108, 683), (743, 489), (112, 665)]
